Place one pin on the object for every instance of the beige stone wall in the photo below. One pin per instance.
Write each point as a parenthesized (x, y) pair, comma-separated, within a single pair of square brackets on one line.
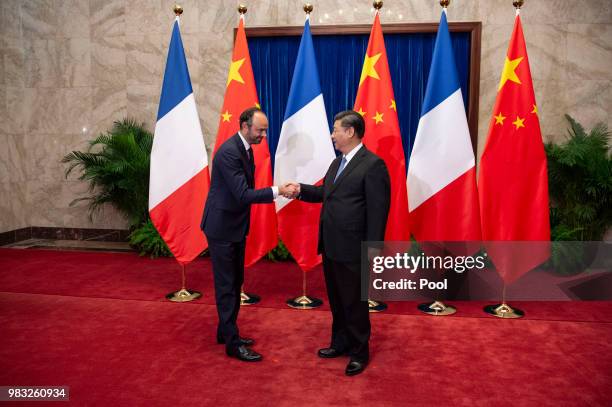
[(68, 68)]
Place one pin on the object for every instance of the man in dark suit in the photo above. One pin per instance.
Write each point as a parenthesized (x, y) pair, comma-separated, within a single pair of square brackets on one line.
[(226, 224), (356, 196)]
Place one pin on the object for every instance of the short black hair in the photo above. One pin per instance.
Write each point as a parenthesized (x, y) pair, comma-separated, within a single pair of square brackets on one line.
[(247, 116), (350, 118)]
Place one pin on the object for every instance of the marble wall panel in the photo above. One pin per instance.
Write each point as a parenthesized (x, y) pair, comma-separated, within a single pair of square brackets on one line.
[(108, 106), (40, 18), (73, 19), (107, 18), (108, 62), (144, 59), (12, 158), (13, 61), (14, 211), (44, 153), (589, 47), (589, 101)]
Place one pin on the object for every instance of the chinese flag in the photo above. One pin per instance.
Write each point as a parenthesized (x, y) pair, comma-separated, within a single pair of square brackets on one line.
[(240, 94), (513, 183), (376, 103)]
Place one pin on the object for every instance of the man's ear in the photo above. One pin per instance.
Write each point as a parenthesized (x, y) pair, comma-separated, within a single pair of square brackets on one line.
[(351, 132)]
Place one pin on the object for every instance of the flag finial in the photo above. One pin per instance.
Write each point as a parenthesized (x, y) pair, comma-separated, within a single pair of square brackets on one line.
[(308, 8), (444, 3), (377, 4), (518, 4), (178, 10), (242, 9)]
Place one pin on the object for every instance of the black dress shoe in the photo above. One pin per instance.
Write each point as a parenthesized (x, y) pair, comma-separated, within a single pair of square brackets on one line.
[(244, 353), (354, 367), (329, 353), (243, 341)]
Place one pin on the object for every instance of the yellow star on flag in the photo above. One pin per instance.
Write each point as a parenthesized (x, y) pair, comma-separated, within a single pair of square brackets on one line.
[(499, 119), (226, 116), (234, 72), (518, 122), (535, 110), (378, 117), (509, 73), (257, 105), (368, 67), (393, 105), (361, 112)]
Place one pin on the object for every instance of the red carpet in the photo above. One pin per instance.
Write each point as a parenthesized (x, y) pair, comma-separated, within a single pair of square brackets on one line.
[(98, 323)]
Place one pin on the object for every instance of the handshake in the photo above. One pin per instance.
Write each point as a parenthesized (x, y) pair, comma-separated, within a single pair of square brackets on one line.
[(289, 190)]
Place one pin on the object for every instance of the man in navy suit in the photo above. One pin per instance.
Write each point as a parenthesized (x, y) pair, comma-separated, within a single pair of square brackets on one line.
[(356, 195), (226, 224)]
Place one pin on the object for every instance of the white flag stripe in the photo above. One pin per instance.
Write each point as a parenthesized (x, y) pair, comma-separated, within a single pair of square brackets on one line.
[(442, 150), (305, 149), (179, 145)]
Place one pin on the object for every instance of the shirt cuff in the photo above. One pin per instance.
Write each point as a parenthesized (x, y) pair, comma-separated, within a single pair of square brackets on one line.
[(274, 191)]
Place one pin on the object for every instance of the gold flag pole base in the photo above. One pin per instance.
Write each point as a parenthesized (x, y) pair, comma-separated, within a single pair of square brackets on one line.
[(304, 302), (436, 308), (249, 299), (184, 295), (503, 310), (376, 306)]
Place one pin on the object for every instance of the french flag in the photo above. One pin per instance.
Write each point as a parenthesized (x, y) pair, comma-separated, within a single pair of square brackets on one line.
[(179, 178), (441, 181), (304, 153)]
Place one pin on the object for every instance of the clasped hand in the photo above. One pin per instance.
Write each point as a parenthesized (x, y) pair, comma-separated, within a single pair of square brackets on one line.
[(289, 190)]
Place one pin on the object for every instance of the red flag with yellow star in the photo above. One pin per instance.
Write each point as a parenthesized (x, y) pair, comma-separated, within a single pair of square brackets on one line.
[(240, 94), (376, 103), (513, 182)]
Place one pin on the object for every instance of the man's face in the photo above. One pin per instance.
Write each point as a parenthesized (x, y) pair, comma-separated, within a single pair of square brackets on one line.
[(342, 136), (258, 130)]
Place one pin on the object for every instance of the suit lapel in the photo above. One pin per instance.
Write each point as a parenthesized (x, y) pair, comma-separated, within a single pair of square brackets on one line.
[(355, 162)]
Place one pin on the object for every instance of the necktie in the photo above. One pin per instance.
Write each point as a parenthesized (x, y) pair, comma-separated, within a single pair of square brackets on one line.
[(251, 158), (341, 167)]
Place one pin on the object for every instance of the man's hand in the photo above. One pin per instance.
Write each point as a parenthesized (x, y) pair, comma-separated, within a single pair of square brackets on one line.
[(290, 190)]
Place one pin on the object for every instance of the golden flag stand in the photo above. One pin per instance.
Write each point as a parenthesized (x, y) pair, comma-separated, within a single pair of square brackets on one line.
[(376, 306), (304, 301), (248, 298), (183, 295), (436, 308), (503, 310)]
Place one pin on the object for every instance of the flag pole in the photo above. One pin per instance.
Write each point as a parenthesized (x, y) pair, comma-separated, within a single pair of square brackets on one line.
[(246, 298), (182, 295), (438, 307), (374, 305), (304, 301), (504, 310)]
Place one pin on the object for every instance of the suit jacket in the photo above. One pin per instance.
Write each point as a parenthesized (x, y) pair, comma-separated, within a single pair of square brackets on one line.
[(355, 207), (227, 212)]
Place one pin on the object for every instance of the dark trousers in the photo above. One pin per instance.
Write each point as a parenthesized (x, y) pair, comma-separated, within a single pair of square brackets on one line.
[(351, 317), (228, 270)]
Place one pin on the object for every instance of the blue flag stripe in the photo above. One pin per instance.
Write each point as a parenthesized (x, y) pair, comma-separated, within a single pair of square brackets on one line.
[(177, 83), (305, 84), (443, 79)]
